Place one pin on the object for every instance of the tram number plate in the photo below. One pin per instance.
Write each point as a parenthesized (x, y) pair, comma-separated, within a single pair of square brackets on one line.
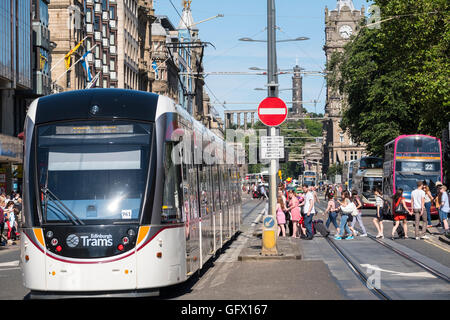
[(126, 214)]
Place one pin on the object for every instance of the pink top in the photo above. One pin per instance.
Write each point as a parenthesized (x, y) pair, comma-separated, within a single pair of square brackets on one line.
[(295, 212)]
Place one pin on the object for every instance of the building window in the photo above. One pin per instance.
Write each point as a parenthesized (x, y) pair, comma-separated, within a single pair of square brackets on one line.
[(105, 83), (105, 57), (104, 31), (96, 23), (112, 13), (112, 39), (341, 137), (89, 16), (97, 52), (68, 83), (112, 65)]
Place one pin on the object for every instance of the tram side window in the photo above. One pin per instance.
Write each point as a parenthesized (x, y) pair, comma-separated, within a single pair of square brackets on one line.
[(205, 190), (171, 212), (216, 191)]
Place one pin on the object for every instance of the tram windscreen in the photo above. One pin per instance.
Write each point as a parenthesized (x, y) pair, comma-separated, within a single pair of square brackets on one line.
[(92, 172)]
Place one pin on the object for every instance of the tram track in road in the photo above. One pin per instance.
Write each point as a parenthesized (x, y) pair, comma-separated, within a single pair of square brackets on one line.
[(252, 209), (407, 282), (379, 293), (427, 268), (397, 274)]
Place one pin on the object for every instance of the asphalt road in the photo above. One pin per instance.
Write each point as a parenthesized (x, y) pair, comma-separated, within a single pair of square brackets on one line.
[(431, 248), (320, 274)]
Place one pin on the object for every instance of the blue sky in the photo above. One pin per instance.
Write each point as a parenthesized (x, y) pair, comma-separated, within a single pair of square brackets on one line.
[(247, 18)]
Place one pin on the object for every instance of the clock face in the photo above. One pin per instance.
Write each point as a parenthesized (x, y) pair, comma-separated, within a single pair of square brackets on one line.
[(345, 31)]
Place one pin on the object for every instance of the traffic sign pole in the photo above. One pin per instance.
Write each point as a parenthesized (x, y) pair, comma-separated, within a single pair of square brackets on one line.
[(272, 110)]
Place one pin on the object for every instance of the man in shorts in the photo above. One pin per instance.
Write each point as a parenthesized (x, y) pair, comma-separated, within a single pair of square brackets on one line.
[(418, 204)]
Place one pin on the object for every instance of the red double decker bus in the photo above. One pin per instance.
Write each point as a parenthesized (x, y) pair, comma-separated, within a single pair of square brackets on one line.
[(408, 159)]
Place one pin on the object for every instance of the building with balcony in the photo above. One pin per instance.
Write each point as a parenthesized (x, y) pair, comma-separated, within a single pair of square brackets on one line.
[(41, 59), (146, 16), (111, 32), (67, 28)]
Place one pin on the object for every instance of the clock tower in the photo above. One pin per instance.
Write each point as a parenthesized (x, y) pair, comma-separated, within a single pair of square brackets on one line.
[(340, 25)]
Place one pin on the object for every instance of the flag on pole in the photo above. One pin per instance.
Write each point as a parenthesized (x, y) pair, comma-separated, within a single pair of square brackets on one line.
[(43, 60), (90, 84), (155, 67), (86, 65), (68, 54)]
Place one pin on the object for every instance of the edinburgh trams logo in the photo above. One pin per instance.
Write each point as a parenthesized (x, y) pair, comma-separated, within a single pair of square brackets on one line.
[(72, 240), (89, 240)]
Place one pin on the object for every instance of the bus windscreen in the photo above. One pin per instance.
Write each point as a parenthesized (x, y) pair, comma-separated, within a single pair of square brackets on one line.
[(418, 145)]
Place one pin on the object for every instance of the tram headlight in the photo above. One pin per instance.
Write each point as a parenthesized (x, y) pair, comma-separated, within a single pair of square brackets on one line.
[(131, 233), (120, 247), (49, 234)]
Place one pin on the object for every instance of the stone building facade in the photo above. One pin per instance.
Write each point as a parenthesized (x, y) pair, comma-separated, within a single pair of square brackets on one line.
[(340, 25)]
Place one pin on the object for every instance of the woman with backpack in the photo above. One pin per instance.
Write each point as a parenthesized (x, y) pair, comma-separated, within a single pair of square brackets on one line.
[(344, 227), (400, 211), (357, 201)]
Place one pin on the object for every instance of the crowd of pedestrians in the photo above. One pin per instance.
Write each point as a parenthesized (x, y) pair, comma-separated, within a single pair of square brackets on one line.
[(295, 211), (296, 208), (10, 215)]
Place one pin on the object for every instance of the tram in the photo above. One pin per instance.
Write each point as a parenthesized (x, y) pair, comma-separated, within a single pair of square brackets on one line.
[(367, 175), (124, 193)]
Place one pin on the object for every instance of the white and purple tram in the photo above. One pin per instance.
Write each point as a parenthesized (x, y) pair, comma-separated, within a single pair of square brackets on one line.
[(124, 193)]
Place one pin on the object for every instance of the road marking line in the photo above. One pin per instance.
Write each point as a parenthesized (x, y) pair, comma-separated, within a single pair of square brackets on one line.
[(403, 274), (14, 263), (436, 245), (257, 219)]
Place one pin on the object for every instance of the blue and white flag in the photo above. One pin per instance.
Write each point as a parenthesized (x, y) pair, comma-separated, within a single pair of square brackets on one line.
[(92, 83), (86, 65), (155, 67)]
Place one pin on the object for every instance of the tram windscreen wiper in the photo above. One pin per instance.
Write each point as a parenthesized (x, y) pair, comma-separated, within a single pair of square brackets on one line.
[(61, 207)]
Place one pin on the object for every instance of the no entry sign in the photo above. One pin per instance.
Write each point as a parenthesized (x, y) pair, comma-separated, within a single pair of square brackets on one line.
[(272, 111)]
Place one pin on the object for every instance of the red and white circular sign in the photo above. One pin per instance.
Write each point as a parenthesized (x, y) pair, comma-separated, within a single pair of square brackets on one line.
[(272, 111)]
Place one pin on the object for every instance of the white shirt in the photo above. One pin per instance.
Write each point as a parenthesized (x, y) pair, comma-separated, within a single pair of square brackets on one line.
[(416, 198), (379, 201), (309, 196), (445, 205)]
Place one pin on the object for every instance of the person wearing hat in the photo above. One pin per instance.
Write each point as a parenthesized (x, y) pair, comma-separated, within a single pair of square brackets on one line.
[(444, 207)]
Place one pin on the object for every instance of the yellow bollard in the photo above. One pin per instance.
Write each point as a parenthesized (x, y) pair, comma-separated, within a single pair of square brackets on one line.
[(269, 237)]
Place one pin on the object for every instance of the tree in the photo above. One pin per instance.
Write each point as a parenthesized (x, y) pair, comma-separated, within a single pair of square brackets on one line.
[(396, 78)]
